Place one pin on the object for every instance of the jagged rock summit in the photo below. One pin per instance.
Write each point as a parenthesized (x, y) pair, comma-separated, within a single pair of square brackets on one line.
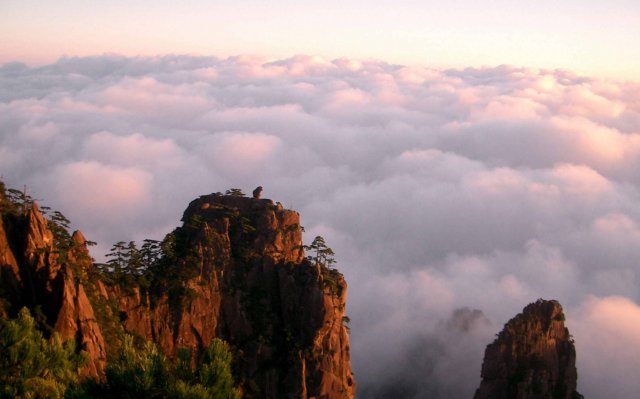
[(532, 358), (236, 270)]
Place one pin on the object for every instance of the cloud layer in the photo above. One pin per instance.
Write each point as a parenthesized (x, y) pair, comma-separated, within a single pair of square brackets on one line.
[(441, 191)]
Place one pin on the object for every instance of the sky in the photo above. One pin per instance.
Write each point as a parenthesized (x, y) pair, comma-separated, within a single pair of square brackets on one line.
[(461, 160), (585, 36)]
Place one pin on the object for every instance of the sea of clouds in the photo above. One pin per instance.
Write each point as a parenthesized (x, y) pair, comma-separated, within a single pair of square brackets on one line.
[(452, 198)]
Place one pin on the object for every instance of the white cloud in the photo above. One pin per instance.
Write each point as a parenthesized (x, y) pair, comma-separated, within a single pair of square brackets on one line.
[(438, 189)]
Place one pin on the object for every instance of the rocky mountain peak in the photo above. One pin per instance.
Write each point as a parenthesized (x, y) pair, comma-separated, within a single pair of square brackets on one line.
[(533, 357), (258, 224)]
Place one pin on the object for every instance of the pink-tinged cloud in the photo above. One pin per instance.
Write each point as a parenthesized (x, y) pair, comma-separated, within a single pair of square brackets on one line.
[(134, 150), (99, 192), (607, 334), (582, 101), (579, 180), (483, 188), (509, 108), (241, 155), (497, 181), (148, 97), (596, 142)]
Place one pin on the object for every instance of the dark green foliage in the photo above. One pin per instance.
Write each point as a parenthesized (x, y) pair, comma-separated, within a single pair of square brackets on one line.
[(235, 192), (211, 378), (144, 372), (150, 253), (195, 222), (322, 253), (20, 201), (137, 373), (330, 279), (14, 202), (32, 367), (129, 266), (59, 226), (117, 264), (157, 268)]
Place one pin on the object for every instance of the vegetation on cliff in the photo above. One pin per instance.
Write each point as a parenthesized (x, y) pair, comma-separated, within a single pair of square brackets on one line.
[(32, 366), (143, 371)]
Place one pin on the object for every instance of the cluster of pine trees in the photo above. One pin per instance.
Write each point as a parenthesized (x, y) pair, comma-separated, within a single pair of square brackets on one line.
[(32, 367)]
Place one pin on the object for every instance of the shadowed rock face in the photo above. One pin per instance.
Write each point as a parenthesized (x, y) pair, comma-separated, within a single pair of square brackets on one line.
[(532, 358), (248, 282)]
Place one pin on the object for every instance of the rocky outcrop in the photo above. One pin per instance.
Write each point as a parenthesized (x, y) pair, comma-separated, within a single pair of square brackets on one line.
[(532, 358), (76, 318), (37, 274), (250, 284), (235, 270)]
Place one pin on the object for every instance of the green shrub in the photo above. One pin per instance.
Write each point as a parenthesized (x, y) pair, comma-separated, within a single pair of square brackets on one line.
[(146, 373), (31, 366)]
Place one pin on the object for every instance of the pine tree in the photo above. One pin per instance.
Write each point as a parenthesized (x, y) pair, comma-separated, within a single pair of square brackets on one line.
[(146, 373), (32, 367), (235, 192), (150, 253), (118, 259), (59, 226), (322, 253), (137, 373), (215, 370), (133, 260)]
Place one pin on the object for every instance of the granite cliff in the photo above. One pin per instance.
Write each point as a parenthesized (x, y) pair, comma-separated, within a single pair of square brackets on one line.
[(37, 274), (533, 357), (236, 270)]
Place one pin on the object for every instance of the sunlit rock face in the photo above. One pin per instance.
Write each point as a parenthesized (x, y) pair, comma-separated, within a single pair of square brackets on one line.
[(532, 358), (237, 271)]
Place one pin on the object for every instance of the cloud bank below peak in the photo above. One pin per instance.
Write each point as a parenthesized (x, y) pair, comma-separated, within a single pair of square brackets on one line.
[(441, 191)]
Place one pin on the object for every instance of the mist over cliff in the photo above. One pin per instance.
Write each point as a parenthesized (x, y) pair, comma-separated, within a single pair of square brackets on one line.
[(439, 190)]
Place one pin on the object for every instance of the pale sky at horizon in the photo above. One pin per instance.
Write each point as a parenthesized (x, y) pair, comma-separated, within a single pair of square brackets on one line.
[(588, 37)]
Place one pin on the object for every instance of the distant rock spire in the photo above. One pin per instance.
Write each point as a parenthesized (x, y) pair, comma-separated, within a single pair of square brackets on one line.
[(532, 358), (257, 192)]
